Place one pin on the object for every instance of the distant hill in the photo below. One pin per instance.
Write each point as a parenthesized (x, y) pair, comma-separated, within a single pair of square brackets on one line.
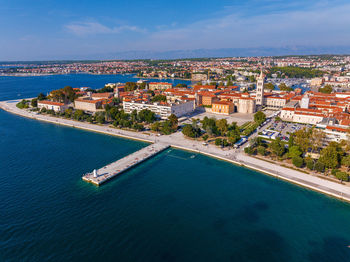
[(224, 52), (206, 53)]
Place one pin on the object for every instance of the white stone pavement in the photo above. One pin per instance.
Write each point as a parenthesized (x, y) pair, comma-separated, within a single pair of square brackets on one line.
[(177, 140), (114, 169)]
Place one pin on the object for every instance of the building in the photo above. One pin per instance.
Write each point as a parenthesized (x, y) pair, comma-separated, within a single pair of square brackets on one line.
[(259, 98), (277, 101), (305, 101), (207, 98), (242, 103), (316, 82), (49, 105), (302, 115), (88, 105), (199, 77), (162, 110), (336, 133), (159, 85), (97, 96), (222, 107), (246, 105)]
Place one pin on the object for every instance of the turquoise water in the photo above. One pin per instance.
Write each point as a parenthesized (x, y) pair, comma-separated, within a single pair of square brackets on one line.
[(178, 206)]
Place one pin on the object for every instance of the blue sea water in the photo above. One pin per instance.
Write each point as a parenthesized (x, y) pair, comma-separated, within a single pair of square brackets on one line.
[(29, 86), (178, 206)]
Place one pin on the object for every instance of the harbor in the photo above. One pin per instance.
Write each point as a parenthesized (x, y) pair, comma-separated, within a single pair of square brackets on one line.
[(102, 175)]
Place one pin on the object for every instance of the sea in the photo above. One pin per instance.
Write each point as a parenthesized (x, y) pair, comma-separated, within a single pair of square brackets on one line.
[(177, 206)]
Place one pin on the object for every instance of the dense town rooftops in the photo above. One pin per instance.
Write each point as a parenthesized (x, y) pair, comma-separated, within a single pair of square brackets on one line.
[(338, 129), (85, 100), (102, 95)]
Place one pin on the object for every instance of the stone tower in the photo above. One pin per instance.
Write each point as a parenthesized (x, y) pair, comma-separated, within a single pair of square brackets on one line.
[(260, 90), (116, 92), (305, 101)]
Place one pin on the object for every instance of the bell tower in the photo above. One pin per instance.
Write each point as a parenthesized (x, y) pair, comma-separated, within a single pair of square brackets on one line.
[(260, 90)]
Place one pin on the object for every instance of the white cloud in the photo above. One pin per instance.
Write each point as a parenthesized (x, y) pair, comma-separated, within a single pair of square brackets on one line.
[(93, 28), (318, 25)]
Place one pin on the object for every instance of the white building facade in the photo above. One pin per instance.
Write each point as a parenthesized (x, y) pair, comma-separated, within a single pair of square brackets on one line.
[(161, 110)]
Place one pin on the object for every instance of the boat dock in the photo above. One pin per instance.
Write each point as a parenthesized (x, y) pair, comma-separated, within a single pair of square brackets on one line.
[(102, 175)]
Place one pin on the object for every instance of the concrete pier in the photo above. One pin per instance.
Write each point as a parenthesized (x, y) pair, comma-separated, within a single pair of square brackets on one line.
[(100, 176)]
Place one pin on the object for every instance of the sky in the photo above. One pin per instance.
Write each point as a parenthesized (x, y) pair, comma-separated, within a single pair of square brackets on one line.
[(90, 29)]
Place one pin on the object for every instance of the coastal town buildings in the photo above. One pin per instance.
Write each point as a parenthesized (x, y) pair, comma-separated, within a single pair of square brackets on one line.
[(88, 105), (50, 105), (161, 109), (329, 112), (222, 107), (159, 85), (199, 77)]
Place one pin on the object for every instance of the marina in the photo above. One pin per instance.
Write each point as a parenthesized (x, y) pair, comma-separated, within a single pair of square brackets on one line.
[(102, 175)]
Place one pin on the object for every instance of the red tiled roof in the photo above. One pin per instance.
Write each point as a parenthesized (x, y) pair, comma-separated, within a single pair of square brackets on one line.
[(46, 102)]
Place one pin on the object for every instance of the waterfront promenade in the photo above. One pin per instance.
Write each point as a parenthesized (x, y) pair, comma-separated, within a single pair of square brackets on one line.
[(114, 169), (177, 140)]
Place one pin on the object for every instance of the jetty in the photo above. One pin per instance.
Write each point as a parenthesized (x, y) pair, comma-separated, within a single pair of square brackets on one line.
[(102, 175)]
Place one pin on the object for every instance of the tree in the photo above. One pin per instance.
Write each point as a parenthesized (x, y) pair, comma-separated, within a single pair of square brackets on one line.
[(284, 87), (222, 126), (167, 128), (316, 139), (259, 117), (158, 98), (205, 137), (133, 115), (130, 86), (156, 126), (310, 163), (34, 102), (147, 116), (330, 156), (234, 134), (209, 125), (142, 85), (69, 94), (277, 147), (291, 141), (261, 150), (57, 95), (319, 167), (327, 89), (342, 176), (225, 143), (68, 113), (269, 86), (295, 72), (173, 120), (138, 127), (302, 139), (190, 131), (218, 142), (297, 161), (78, 114), (22, 104), (181, 85), (41, 97), (250, 150), (294, 151), (100, 117), (346, 161)]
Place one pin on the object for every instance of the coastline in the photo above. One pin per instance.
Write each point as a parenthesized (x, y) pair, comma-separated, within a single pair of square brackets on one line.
[(177, 141)]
